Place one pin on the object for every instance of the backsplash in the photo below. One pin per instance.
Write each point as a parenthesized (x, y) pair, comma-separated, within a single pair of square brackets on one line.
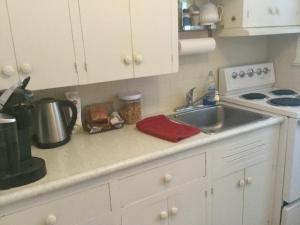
[(164, 93), (282, 51)]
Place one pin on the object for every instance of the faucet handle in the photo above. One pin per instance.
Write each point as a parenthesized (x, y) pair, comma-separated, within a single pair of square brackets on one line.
[(190, 97)]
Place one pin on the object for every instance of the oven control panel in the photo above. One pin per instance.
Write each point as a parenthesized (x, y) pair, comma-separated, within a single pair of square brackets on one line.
[(249, 77)]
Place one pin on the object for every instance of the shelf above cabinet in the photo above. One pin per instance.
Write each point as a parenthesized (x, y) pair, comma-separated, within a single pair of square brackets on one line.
[(197, 28), (257, 31)]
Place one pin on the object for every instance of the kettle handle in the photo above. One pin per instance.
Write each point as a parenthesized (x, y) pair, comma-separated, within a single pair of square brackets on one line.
[(69, 104)]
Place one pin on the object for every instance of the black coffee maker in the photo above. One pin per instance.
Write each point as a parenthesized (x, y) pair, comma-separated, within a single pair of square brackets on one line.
[(17, 166)]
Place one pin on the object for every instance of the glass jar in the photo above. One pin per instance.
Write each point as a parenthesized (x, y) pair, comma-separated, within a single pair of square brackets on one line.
[(131, 107)]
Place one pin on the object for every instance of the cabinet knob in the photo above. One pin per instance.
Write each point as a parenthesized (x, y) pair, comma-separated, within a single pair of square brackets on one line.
[(127, 60), (51, 220), (242, 183), (249, 180), (138, 59), (163, 215), (174, 211), (26, 68), (8, 70), (168, 178), (271, 11)]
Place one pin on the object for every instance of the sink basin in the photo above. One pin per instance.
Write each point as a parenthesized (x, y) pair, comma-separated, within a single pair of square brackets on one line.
[(216, 119)]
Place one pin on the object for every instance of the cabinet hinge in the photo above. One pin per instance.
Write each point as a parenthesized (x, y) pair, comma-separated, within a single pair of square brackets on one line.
[(76, 67), (85, 67), (206, 194), (212, 191), (172, 58)]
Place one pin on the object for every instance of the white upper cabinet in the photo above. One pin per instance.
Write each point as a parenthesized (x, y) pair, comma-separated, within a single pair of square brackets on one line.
[(265, 13), (287, 12), (107, 39), (155, 41), (8, 69), (129, 38), (68, 42), (260, 17), (42, 35)]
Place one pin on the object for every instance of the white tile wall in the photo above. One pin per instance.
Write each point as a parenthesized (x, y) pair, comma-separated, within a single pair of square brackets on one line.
[(164, 93), (282, 51)]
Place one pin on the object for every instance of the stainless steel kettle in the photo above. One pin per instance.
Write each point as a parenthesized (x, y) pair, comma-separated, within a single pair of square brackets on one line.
[(52, 124)]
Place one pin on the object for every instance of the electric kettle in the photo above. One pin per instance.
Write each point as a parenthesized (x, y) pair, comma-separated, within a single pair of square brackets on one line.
[(52, 123)]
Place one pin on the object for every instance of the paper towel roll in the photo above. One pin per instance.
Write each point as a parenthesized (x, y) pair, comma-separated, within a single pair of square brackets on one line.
[(196, 46)]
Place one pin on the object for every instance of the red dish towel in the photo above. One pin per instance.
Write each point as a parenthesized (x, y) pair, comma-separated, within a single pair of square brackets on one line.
[(160, 126)]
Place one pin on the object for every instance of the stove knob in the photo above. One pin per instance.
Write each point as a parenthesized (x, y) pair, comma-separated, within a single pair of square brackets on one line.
[(266, 70), (242, 74), (259, 71), (250, 72), (234, 75)]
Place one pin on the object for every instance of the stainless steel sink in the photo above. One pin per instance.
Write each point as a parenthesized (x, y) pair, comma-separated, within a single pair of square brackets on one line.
[(217, 118)]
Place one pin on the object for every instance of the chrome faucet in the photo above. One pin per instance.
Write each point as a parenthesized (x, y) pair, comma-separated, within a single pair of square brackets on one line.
[(189, 98), (198, 103)]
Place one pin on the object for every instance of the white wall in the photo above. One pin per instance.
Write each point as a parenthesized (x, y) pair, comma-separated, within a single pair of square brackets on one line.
[(164, 93), (282, 51)]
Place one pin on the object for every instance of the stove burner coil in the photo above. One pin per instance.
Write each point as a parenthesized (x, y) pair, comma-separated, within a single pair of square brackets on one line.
[(284, 92), (285, 102), (254, 96)]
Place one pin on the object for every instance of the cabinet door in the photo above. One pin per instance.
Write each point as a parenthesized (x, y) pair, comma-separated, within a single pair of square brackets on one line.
[(152, 212), (258, 193), (155, 41), (189, 206), (107, 39), (228, 200), (258, 13), (286, 13), (43, 41), (8, 69)]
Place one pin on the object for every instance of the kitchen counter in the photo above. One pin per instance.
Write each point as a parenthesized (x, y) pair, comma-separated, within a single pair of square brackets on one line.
[(90, 156)]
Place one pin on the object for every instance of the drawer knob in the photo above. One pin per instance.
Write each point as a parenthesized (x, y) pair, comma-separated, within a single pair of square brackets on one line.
[(164, 215), (51, 220), (174, 211), (168, 178), (242, 183), (249, 180)]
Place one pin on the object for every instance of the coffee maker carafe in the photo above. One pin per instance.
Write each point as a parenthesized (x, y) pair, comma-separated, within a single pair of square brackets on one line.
[(17, 166)]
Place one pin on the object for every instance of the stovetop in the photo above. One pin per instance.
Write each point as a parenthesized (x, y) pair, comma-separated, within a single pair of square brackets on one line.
[(252, 86), (280, 101)]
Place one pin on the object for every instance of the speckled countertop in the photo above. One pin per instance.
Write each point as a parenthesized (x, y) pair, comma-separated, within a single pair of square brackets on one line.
[(91, 156)]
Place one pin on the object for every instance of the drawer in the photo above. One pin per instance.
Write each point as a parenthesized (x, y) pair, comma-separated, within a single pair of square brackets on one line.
[(84, 207), (153, 181), (239, 155)]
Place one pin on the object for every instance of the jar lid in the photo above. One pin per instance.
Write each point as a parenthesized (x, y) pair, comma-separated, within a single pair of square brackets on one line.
[(130, 96)]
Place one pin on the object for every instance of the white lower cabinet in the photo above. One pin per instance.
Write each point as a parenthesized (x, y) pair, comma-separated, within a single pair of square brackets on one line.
[(244, 197), (227, 183), (185, 205), (228, 200), (88, 207), (189, 206)]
